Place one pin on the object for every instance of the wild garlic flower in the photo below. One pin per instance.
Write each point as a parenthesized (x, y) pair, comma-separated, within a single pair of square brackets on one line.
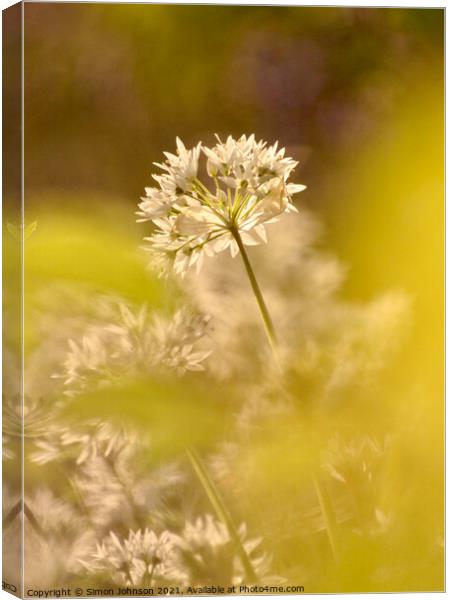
[(92, 439), (56, 537), (247, 189), (210, 555), (105, 465), (135, 343), (143, 558), (178, 341), (356, 460), (357, 467), (30, 420)]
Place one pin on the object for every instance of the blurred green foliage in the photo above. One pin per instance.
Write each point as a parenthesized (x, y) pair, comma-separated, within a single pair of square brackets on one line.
[(168, 414)]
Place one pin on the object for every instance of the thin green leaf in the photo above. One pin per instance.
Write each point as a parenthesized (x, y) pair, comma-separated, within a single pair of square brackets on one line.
[(221, 510)]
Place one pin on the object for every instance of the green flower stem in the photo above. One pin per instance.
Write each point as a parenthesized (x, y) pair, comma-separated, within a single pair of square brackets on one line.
[(328, 516), (267, 321), (221, 510), (323, 497)]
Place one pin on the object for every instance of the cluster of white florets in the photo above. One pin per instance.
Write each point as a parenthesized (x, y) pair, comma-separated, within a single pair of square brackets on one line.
[(136, 342), (144, 557), (203, 546), (247, 189)]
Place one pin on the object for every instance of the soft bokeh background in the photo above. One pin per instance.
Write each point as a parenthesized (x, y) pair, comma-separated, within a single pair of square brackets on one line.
[(356, 95)]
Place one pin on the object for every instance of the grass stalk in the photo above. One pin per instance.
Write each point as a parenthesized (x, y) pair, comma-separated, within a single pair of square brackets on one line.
[(221, 510), (328, 513)]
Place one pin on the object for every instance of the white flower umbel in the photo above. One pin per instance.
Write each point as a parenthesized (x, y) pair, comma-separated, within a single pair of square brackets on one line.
[(141, 559), (248, 188), (94, 438), (209, 553), (56, 535), (136, 342), (357, 465)]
